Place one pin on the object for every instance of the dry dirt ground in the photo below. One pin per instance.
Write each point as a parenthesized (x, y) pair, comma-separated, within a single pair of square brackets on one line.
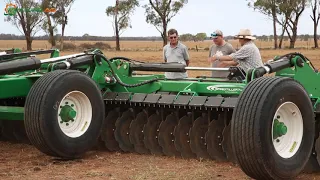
[(20, 161)]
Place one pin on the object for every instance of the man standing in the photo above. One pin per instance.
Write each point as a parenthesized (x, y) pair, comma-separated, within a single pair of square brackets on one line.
[(219, 48), (175, 52), (247, 57)]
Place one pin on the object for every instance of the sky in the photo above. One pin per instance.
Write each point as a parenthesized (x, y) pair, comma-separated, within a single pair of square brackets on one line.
[(197, 16)]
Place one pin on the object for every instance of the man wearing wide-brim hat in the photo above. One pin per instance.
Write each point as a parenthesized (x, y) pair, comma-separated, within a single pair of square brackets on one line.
[(247, 57)]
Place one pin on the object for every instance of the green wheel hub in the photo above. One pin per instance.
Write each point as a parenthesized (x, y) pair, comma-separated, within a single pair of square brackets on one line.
[(279, 129), (287, 129), (74, 114), (67, 113)]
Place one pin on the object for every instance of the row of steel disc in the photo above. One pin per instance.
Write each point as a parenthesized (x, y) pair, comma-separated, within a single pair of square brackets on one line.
[(165, 132), (13, 131)]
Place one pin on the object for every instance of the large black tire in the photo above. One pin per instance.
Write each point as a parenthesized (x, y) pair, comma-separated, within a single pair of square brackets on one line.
[(251, 128), (41, 113)]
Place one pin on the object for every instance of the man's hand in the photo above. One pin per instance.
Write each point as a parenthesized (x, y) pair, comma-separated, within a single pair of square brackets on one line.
[(212, 59)]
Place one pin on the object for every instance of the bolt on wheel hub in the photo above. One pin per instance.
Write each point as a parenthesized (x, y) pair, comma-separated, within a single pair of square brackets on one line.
[(279, 129), (74, 114), (287, 129), (67, 113)]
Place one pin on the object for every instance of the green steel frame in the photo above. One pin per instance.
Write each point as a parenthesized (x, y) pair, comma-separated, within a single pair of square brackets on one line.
[(107, 75)]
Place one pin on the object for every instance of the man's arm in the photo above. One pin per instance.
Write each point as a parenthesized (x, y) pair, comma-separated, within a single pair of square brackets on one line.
[(186, 56), (231, 49), (242, 54), (164, 54), (228, 63)]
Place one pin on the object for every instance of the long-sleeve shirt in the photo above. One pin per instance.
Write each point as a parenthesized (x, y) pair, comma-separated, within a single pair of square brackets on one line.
[(248, 56)]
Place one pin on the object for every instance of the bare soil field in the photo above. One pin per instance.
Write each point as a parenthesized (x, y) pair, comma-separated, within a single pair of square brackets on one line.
[(22, 161)]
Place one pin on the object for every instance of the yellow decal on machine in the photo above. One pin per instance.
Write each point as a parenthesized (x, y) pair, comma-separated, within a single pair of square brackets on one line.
[(293, 146)]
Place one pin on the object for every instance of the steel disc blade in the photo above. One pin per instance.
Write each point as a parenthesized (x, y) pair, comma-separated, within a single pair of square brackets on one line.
[(109, 126), (136, 133), (314, 161), (150, 132), (7, 131), (1, 130), (182, 139), (19, 132), (312, 164), (214, 138), (227, 144), (197, 137), (121, 132), (166, 136)]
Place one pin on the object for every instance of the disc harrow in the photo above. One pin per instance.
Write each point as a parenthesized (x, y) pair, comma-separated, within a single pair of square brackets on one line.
[(266, 125), (174, 128)]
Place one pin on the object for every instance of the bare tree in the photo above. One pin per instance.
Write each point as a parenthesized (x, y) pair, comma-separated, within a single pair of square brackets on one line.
[(60, 17), (284, 25), (48, 24), (292, 10), (315, 18), (121, 17), (160, 12), (28, 22), (270, 9)]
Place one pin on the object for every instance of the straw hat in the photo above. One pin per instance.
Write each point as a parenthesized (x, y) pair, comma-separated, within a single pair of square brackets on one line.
[(244, 34)]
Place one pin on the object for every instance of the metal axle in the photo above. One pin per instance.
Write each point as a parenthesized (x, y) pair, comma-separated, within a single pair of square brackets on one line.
[(206, 69)]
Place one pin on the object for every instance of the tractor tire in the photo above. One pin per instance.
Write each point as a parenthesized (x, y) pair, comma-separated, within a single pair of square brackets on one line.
[(64, 112), (262, 152)]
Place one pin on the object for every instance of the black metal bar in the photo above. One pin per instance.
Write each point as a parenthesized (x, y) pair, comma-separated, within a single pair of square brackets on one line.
[(158, 67), (274, 66), (74, 62), (19, 65), (279, 65), (13, 55)]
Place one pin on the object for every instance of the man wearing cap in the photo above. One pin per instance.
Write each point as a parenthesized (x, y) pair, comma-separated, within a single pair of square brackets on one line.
[(247, 57), (219, 48)]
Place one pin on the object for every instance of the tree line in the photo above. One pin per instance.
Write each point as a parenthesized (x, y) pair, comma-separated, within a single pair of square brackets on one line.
[(29, 22), (182, 37), (159, 13), (286, 14)]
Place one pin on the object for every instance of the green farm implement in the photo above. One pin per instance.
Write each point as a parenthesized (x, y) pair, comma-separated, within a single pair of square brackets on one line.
[(265, 120)]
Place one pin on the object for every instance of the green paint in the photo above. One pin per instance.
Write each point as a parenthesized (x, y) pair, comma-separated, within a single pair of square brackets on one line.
[(279, 129), (67, 113), (18, 85), (11, 113)]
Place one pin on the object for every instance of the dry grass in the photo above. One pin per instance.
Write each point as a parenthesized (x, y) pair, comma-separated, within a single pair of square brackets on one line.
[(146, 45)]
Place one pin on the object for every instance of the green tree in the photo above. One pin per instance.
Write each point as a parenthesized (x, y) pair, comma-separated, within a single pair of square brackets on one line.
[(121, 13), (160, 12), (186, 37), (28, 23), (201, 36)]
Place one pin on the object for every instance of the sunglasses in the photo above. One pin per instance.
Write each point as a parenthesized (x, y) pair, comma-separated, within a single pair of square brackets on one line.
[(215, 35), (173, 37)]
